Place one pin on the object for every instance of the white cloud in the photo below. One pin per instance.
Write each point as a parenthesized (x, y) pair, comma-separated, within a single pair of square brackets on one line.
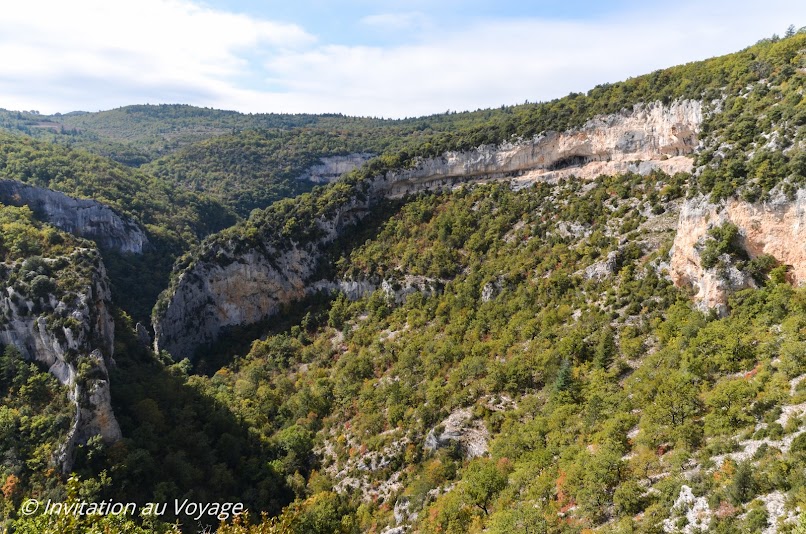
[(138, 47), (495, 62), (97, 54)]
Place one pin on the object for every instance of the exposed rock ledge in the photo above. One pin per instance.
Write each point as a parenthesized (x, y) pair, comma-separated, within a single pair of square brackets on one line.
[(224, 288), (776, 227), (81, 217), (651, 136)]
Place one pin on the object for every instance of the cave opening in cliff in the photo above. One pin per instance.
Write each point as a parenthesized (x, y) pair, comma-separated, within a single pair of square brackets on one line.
[(569, 161)]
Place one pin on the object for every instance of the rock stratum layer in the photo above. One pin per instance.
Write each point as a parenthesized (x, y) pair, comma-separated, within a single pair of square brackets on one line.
[(84, 218), (649, 137), (57, 333), (224, 288), (776, 227)]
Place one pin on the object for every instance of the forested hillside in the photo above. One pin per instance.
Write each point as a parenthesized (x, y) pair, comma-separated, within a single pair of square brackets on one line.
[(527, 344)]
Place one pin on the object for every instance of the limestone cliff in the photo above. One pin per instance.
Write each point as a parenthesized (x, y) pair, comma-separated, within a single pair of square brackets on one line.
[(776, 227), (648, 137), (81, 217), (330, 168), (225, 286), (62, 330)]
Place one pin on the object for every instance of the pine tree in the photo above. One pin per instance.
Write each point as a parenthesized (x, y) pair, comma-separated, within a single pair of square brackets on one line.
[(605, 350), (565, 378)]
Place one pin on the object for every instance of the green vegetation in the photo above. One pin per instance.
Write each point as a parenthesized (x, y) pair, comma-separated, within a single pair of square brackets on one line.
[(383, 391), (180, 441), (753, 144), (520, 361), (255, 168), (35, 416), (370, 378), (40, 262), (722, 81), (722, 240), (173, 218), (162, 209)]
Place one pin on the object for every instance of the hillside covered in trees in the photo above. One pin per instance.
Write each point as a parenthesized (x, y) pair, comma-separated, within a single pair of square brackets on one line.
[(526, 348)]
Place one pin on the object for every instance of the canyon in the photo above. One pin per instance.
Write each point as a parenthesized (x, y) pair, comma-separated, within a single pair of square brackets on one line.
[(229, 287)]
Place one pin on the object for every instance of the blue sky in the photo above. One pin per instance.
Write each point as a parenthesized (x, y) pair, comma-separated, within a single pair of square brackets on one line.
[(389, 58), (335, 22)]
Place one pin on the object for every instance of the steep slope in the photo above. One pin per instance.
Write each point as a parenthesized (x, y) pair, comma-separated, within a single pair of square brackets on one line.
[(261, 271), (497, 357), (55, 311), (147, 200), (554, 379), (648, 137), (252, 169), (241, 288), (83, 218), (141, 222), (486, 328), (773, 229)]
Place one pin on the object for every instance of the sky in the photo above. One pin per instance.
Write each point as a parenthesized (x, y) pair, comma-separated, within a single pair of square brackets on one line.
[(382, 58)]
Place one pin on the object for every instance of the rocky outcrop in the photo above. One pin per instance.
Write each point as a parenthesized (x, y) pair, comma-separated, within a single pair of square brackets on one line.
[(81, 217), (776, 227), (223, 288), (459, 428), (645, 138), (229, 288), (251, 288), (605, 268), (394, 290), (330, 168), (60, 332)]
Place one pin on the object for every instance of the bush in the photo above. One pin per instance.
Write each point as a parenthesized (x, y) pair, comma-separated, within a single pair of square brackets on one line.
[(42, 286)]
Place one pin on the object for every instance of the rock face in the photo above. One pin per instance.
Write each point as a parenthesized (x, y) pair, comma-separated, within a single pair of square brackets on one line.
[(224, 288), (332, 167), (57, 333), (649, 137), (776, 227), (84, 218), (602, 269), (233, 289)]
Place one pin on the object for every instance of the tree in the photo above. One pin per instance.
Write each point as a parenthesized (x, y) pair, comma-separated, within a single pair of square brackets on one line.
[(742, 487), (565, 378), (729, 402), (482, 482), (674, 403), (605, 349), (10, 361)]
